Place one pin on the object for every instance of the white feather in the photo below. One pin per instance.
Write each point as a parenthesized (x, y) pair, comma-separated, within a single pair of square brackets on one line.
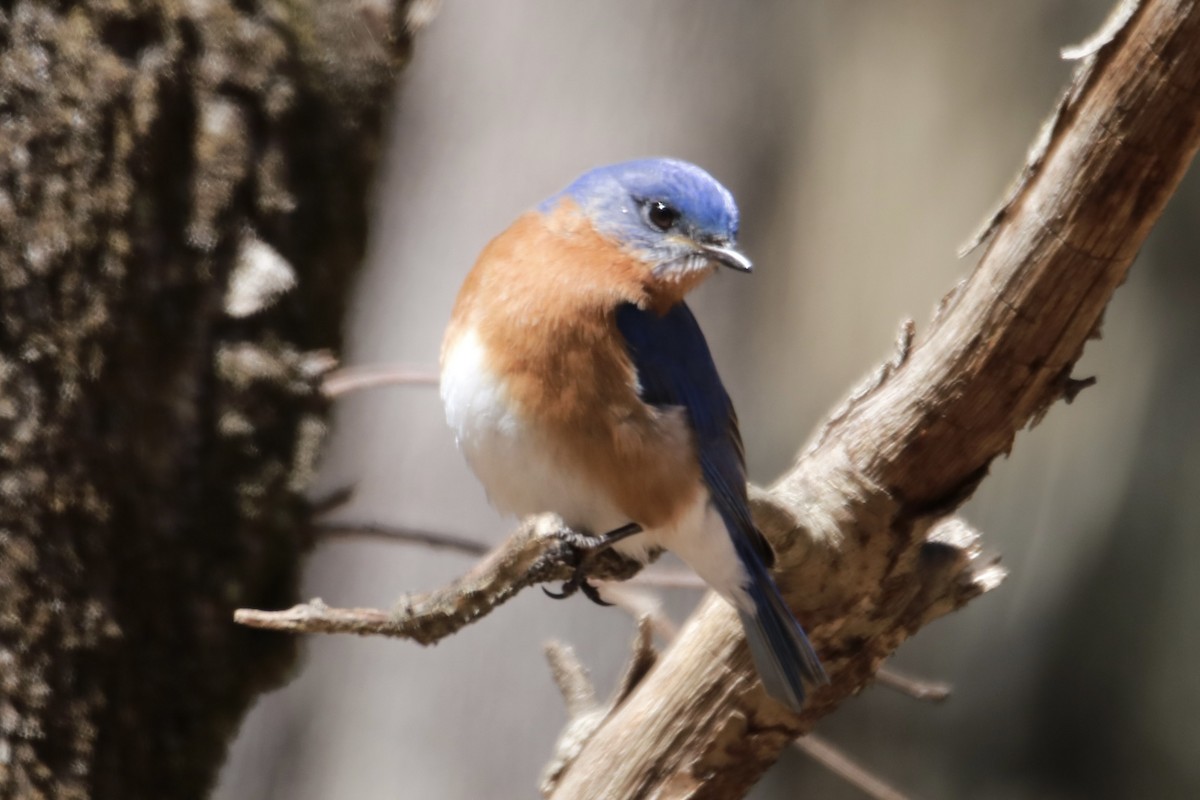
[(512, 461), (522, 475)]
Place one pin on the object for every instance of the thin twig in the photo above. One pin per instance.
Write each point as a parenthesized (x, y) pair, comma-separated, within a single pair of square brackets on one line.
[(584, 712), (644, 606), (654, 578), (668, 579), (639, 604), (388, 533), (916, 688), (572, 679), (541, 550), (332, 501), (840, 764), (370, 376)]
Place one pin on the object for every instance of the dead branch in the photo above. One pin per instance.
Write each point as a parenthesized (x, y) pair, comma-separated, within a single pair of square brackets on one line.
[(390, 533), (868, 551), (585, 713), (917, 689), (863, 557), (354, 379), (541, 550), (669, 579), (845, 768)]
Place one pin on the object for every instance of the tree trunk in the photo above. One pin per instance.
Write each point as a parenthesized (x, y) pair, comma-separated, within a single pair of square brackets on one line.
[(182, 205)]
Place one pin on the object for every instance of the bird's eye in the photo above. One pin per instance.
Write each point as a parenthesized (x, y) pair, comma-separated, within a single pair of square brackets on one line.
[(661, 215)]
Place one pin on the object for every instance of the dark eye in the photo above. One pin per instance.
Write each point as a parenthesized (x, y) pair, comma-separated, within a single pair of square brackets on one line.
[(661, 215)]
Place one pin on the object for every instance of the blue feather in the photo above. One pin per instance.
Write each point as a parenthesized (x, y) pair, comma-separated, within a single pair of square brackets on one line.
[(675, 368), (610, 196)]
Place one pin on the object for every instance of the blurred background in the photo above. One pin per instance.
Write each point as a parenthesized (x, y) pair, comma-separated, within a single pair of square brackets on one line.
[(864, 141)]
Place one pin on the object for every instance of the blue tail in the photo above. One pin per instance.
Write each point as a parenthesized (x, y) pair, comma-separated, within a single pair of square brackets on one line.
[(782, 653), (675, 369)]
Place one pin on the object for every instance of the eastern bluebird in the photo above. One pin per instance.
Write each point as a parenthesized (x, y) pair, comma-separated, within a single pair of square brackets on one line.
[(577, 381)]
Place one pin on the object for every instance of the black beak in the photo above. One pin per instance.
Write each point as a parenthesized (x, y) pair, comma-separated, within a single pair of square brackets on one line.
[(728, 257)]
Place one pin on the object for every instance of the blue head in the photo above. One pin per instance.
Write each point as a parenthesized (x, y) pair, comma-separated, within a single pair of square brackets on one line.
[(672, 214)]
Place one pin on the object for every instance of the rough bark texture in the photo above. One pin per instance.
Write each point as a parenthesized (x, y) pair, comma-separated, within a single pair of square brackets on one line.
[(863, 558), (182, 196)]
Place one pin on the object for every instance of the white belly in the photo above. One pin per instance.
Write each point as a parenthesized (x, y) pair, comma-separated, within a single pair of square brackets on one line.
[(512, 460), (522, 476)]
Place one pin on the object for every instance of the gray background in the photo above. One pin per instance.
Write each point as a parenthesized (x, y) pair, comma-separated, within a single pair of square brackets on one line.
[(864, 140)]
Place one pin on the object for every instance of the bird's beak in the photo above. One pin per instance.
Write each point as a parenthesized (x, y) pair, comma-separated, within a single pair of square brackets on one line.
[(728, 257)]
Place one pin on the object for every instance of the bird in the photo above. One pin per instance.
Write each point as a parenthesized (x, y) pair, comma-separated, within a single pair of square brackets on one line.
[(577, 381)]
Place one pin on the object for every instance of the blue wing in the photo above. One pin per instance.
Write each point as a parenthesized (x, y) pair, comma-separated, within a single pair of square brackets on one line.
[(675, 368)]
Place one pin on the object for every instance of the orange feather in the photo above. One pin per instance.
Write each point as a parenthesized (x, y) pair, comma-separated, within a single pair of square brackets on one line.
[(551, 285)]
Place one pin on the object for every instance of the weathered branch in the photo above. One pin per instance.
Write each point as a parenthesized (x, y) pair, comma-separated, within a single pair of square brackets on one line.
[(838, 763), (434, 539), (852, 518), (585, 713), (868, 551), (541, 550), (706, 682), (354, 379), (917, 689)]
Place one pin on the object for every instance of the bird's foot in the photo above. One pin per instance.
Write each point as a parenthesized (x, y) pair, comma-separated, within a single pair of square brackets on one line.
[(587, 547), (578, 582)]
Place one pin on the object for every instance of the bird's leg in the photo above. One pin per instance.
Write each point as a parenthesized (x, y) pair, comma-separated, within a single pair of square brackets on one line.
[(595, 544), (591, 546)]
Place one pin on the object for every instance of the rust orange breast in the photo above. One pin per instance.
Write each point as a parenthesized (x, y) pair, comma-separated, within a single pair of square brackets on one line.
[(542, 298)]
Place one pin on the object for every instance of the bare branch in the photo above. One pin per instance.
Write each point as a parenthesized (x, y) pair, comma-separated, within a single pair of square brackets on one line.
[(640, 604), (837, 762), (917, 689), (355, 379), (316, 617), (669, 579), (653, 578), (541, 550), (628, 596), (330, 501), (572, 680), (369, 530), (864, 555), (584, 713), (867, 549)]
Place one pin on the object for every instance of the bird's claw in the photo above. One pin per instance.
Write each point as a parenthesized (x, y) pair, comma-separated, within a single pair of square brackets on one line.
[(563, 595), (590, 546), (578, 582)]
